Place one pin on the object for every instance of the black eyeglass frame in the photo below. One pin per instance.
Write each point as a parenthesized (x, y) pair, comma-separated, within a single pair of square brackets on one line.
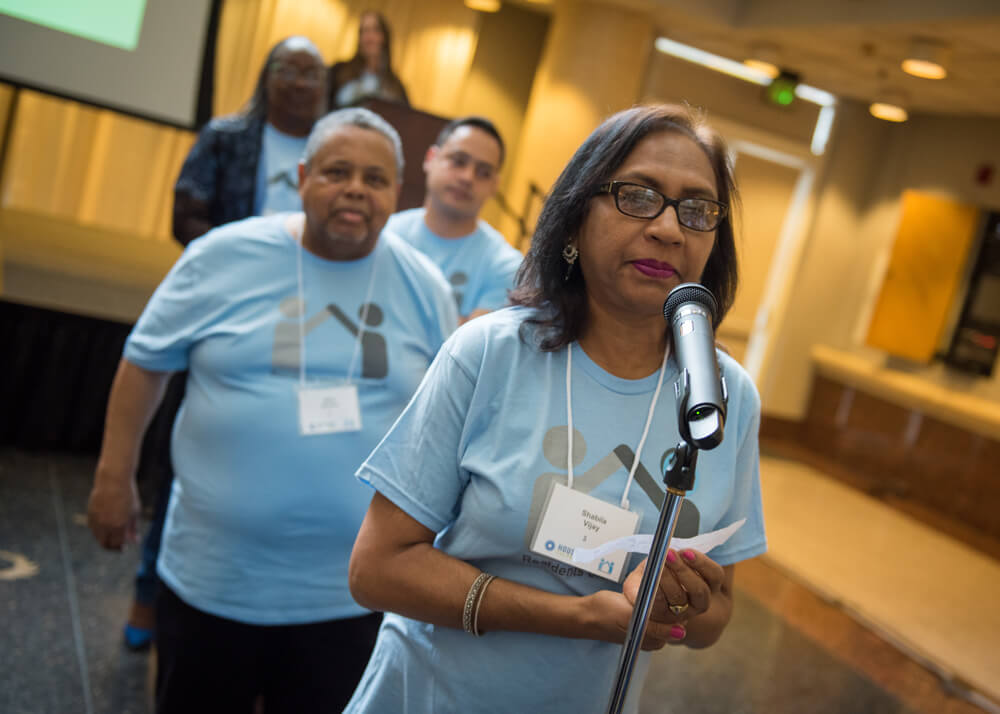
[(613, 187), (290, 73)]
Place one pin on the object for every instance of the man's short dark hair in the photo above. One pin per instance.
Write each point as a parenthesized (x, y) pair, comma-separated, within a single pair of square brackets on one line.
[(481, 123)]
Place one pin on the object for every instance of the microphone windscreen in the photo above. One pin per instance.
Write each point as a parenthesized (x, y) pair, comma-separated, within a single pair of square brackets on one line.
[(689, 292)]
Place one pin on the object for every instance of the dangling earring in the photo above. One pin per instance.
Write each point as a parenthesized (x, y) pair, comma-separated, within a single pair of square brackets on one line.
[(570, 254)]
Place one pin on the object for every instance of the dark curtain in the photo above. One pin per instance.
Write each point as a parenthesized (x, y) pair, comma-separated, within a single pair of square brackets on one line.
[(56, 371), (55, 375)]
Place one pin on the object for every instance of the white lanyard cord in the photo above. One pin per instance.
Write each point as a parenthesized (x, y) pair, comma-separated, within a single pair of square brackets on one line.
[(302, 312), (569, 415), (364, 320), (645, 429), (302, 316)]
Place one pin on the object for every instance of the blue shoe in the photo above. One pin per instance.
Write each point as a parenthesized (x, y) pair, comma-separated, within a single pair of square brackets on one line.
[(137, 639)]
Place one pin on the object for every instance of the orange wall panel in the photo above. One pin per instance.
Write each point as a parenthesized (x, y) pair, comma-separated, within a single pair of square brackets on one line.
[(925, 270)]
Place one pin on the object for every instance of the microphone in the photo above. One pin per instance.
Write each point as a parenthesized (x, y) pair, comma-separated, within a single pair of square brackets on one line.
[(701, 392)]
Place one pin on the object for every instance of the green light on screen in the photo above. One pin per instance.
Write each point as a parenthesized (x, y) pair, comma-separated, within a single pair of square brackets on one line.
[(110, 22)]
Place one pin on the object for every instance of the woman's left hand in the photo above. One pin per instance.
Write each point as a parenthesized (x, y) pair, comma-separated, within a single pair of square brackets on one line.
[(687, 584)]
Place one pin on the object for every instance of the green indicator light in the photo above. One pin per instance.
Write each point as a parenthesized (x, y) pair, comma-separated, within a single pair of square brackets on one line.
[(781, 90)]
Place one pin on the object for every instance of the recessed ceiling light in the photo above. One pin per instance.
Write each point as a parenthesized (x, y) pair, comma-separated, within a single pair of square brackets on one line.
[(771, 70), (764, 57), (888, 112), (927, 59), (483, 5), (890, 106)]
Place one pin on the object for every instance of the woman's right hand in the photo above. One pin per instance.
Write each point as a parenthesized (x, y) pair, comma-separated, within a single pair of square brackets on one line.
[(113, 507), (606, 615), (113, 511)]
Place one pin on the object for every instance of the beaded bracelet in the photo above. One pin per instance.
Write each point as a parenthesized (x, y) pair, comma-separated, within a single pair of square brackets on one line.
[(470, 602), (479, 601)]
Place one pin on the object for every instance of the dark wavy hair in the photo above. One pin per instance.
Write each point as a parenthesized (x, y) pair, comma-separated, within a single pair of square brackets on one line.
[(541, 283), (256, 107)]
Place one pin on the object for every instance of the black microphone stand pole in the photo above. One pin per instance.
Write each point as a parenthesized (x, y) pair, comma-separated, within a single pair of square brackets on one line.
[(679, 480)]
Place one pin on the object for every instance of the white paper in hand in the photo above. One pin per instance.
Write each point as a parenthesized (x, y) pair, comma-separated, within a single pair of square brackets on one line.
[(640, 543)]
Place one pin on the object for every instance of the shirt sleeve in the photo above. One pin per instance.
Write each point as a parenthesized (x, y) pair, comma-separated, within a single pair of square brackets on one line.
[(179, 313), (447, 313), (441, 313), (417, 464), (494, 295), (198, 174)]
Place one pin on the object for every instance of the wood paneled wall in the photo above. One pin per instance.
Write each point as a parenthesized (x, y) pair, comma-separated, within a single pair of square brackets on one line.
[(940, 473)]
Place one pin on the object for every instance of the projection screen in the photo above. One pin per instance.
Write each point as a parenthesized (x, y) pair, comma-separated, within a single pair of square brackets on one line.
[(140, 57)]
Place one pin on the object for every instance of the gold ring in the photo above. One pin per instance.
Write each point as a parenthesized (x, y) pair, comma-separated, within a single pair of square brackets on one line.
[(679, 609)]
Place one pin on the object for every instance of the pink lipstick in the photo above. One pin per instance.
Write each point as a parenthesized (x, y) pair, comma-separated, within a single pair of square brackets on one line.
[(654, 268)]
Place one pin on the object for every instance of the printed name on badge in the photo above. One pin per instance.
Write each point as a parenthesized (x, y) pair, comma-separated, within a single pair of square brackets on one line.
[(571, 519), (329, 410)]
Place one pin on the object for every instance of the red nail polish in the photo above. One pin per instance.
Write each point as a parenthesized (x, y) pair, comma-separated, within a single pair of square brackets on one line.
[(677, 632), (671, 557), (689, 555)]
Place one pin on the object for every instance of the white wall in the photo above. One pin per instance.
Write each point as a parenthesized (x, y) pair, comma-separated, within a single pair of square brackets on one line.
[(871, 163)]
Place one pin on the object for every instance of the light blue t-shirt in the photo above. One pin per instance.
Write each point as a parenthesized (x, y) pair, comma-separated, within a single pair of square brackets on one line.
[(278, 172), (472, 458), (262, 520), (480, 266)]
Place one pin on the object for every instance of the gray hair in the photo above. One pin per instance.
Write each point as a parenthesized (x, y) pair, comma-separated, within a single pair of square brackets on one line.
[(353, 116)]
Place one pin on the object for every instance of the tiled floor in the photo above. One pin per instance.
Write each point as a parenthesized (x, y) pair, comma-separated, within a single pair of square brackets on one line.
[(787, 650), (60, 650)]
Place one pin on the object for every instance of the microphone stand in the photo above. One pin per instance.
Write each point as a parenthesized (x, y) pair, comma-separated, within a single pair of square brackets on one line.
[(679, 480)]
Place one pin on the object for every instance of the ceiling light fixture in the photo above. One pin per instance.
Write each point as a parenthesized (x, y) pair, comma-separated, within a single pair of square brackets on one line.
[(483, 5), (827, 102), (712, 61), (890, 106), (927, 59), (764, 57), (738, 70)]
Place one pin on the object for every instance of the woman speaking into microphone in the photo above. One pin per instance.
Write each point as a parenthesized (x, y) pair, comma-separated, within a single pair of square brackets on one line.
[(543, 429)]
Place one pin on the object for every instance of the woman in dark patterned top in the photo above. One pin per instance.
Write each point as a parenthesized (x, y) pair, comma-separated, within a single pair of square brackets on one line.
[(220, 181)]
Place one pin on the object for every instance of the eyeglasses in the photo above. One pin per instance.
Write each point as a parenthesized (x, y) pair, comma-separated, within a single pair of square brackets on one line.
[(638, 201), (289, 73), (459, 160)]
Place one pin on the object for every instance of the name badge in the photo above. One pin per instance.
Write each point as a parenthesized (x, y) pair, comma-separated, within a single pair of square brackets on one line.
[(329, 410), (571, 519)]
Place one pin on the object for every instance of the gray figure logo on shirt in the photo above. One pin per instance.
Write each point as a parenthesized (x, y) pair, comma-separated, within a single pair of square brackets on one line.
[(458, 281), (287, 177), (287, 353), (554, 446), (374, 352)]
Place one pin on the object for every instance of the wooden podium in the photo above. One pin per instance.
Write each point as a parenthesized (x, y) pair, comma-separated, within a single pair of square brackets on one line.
[(418, 130)]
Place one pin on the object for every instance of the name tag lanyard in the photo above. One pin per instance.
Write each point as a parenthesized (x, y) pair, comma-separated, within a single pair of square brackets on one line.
[(337, 408), (572, 519), (302, 317), (645, 430)]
